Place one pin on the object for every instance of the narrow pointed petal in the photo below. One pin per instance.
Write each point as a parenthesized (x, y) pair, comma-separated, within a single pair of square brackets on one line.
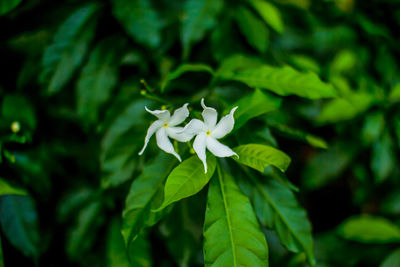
[(225, 125), (199, 145), (194, 127), (178, 134), (152, 129), (163, 115), (179, 115), (209, 115), (165, 144), (219, 149)]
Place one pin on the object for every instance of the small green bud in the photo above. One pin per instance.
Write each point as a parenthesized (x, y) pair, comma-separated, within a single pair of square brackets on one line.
[(15, 127)]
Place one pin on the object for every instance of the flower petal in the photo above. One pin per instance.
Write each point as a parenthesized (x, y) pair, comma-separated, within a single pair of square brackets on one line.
[(219, 149), (178, 134), (199, 145), (152, 129), (165, 144), (179, 115), (224, 126), (209, 115), (163, 115), (194, 127)]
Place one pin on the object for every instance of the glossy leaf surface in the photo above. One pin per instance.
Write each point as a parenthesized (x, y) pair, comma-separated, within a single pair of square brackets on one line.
[(232, 236)]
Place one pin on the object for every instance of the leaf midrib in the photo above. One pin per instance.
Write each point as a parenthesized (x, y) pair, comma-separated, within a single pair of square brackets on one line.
[(268, 162), (274, 85), (260, 189), (186, 181), (228, 219)]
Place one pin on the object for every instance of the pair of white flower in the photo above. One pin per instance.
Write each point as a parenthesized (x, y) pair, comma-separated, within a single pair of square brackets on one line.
[(206, 132)]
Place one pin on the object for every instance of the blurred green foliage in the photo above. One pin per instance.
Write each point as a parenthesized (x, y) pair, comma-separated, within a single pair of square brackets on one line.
[(318, 89)]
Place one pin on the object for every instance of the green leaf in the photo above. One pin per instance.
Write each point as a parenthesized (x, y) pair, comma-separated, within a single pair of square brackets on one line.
[(182, 69), (19, 222), (383, 158), (28, 72), (236, 63), (331, 250), (280, 177), (269, 13), (369, 229), (115, 248), (232, 236), (7, 189), (253, 29), (277, 208), (326, 39), (130, 116), (82, 235), (341, 84), (145, 194), (373, 126), (390, 203), (297, 134), (140, 20), (33, 167), (182, 230), (199, 17), (341, 109), (325, 166), (139, 252), (305, 63), (119, 146), (394, 95), (73, 201), (68, 49), (343, 62), (372, 28), (187, 179), (253, 105), (98, 78), (280, 80), (260, 157), (301, 4), (386, 65), (392, 260), (8, 5)]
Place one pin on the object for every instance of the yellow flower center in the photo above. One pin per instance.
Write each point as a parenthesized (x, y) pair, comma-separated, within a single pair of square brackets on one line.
[(165, 125), (208, 133)]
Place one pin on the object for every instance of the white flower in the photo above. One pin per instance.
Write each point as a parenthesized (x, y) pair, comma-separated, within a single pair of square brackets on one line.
[(209, 131), (164, 127)]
